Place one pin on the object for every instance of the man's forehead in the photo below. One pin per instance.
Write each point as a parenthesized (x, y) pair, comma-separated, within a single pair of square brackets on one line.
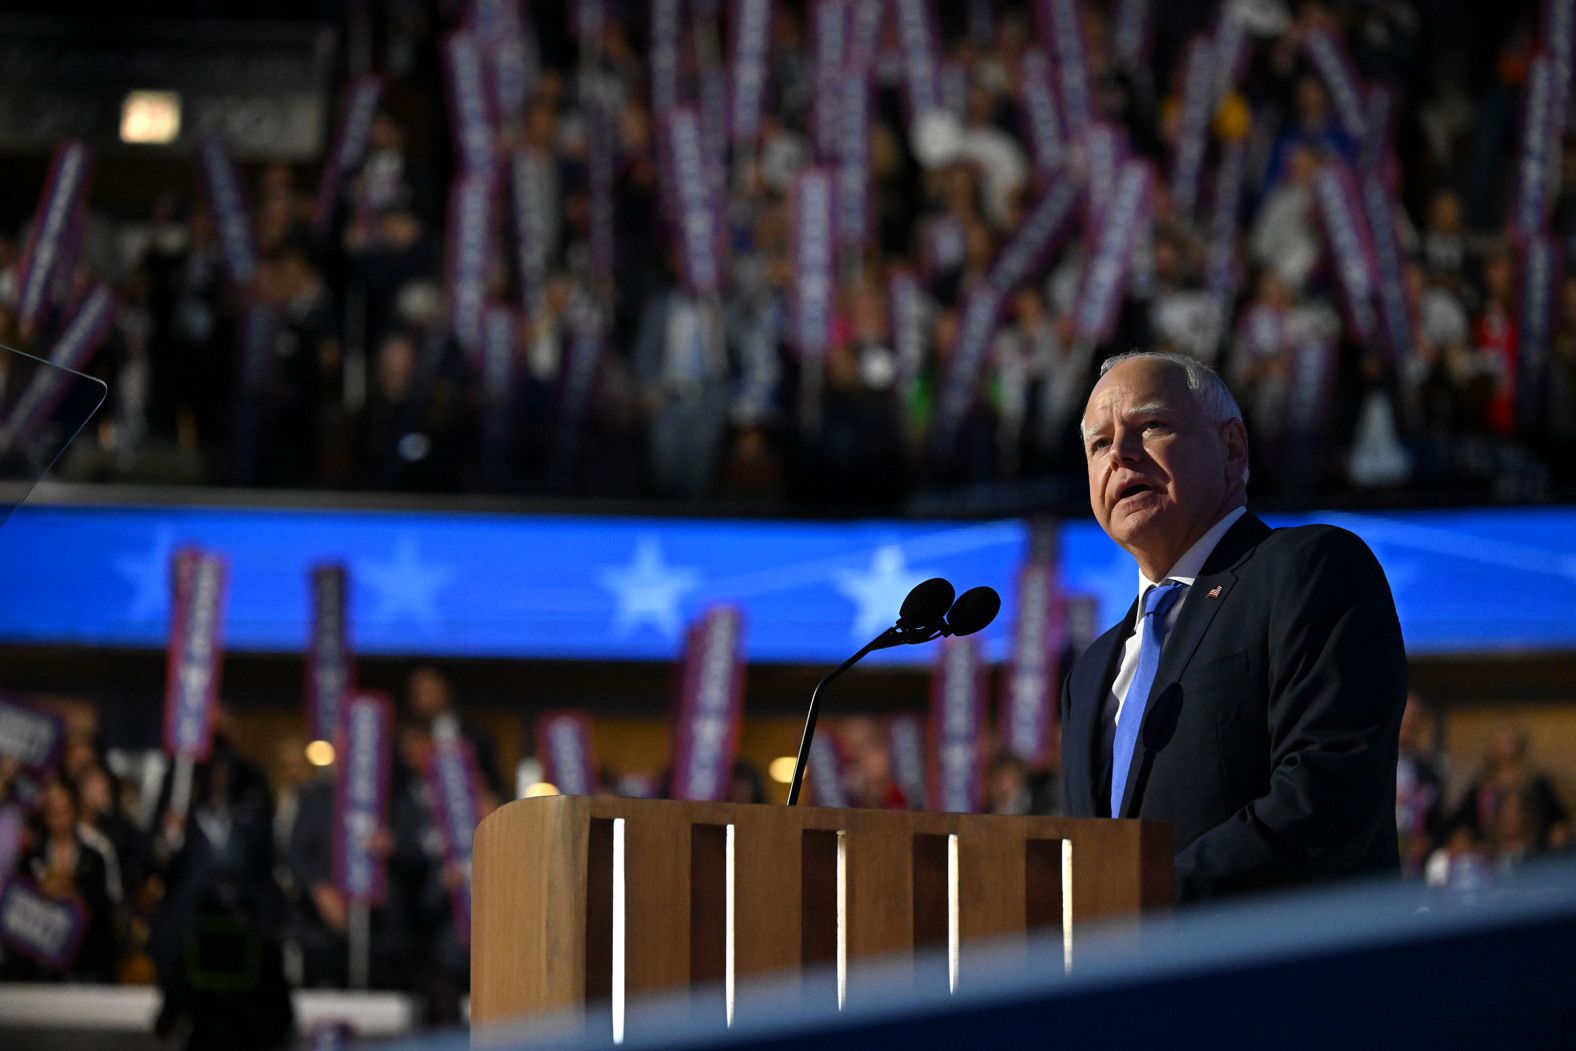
[(1131, 388)]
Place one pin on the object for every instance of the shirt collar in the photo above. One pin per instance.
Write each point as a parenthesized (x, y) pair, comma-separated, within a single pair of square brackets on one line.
[(1193, 559)]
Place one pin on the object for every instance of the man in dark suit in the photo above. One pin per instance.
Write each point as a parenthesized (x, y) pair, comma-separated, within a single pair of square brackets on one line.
[(1252, 695)]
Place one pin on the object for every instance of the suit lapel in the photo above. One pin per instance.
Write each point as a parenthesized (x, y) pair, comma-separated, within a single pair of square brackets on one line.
[(1210, 591)]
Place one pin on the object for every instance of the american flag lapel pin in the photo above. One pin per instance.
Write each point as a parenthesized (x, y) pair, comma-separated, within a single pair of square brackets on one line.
[(1215, 591)]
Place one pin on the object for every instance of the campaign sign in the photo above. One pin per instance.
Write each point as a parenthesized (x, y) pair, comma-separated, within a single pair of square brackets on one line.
[(1105, 274), (1198, 106), (1350, 244), (508, 72), (812, 305), (1132, 27), (751, 34), (1540, 277), (826, 771), (1220, 254), (362, 792), (957, 716), (601, 182), (13, 826), (1104, 149), (195, 653), (697, 226), (455, 784), (1312, 384), (329, 673), (44, 929), (1540, 125), (29, 735), (348, 148), (711, 707), (529, 191), (853, 185), (1033, 681), (664, 52), (1061, 26), (1037, 104), (74, 348), (982, 306), (470, 241), (906, 739), (59, 207), (828, 48), (908, 320), (916, 38), (1394, 308), (230, 216), (1025, 256), (563, 744), (467, 93), (1334, 65)]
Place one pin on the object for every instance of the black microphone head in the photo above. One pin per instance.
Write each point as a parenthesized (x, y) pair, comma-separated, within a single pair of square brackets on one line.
[(926, 606), (973, 610)]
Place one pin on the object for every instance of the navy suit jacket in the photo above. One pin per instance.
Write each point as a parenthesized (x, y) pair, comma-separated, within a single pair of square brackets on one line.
[(1270, 738)]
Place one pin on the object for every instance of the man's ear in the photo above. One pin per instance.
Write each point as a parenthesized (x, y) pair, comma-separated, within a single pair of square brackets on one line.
[(1235, 436)]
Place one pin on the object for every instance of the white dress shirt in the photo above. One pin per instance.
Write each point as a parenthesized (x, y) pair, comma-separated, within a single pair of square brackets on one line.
[(1186, 571)]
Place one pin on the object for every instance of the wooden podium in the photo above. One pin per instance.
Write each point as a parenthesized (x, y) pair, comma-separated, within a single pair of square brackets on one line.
[(578, 900)]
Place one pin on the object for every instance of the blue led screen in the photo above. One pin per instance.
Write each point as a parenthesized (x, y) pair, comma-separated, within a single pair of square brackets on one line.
[(482, 585)]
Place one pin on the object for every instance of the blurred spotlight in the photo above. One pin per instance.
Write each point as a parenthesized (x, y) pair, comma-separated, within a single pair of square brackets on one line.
[(320, 753), (541, 788), (781, 769), (150, 117)]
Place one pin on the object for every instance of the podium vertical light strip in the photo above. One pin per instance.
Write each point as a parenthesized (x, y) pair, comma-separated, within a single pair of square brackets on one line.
[(1067, 905), (728, 981), (952, 913), (617, 998), (842, 919)]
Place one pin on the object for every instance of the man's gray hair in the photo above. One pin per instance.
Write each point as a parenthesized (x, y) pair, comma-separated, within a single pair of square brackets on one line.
[(1211, 391)]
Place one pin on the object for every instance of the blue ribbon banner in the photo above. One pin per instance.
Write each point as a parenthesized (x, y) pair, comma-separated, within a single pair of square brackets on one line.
[(751, 31), (916, 37), (1037, 103), (957, 712), (563, 741), (425, 583), (362, 797), (228, 201), (59, 206)]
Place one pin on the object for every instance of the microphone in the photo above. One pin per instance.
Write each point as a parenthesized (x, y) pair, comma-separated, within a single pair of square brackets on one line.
[(973, 610), (928, 612), (926, 605)]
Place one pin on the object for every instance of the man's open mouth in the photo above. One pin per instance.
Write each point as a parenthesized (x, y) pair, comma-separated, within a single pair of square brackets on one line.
[(1135, 489)]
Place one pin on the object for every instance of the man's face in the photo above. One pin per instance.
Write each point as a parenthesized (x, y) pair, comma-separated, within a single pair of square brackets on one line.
[(1160, 471)]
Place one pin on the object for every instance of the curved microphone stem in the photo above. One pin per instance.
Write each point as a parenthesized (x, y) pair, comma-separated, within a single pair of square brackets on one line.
[(881, 641)]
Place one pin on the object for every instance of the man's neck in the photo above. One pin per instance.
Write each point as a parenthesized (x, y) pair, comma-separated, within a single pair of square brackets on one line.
[(1157, 568)]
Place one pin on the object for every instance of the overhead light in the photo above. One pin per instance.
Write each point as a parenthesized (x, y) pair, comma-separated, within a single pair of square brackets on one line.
[(541, 788), (320, 753), (151, 117), (781, 768)]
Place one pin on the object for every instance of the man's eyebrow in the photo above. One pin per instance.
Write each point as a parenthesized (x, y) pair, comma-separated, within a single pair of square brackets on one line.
[(1152, 408)]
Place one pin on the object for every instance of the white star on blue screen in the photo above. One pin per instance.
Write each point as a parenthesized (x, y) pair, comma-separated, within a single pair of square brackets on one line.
[(404, 588), (878, 591), (648, 590), (148, 572)]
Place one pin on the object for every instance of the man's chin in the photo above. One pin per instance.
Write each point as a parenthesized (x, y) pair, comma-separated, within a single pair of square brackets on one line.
[(1133, 526)]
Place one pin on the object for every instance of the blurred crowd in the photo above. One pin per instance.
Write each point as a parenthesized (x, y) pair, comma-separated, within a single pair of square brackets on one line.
[(232, 901), (231, 904), (703, 397)]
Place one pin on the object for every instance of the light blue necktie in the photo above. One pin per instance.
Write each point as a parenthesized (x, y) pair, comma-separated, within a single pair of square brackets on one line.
[(1157, 603)]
